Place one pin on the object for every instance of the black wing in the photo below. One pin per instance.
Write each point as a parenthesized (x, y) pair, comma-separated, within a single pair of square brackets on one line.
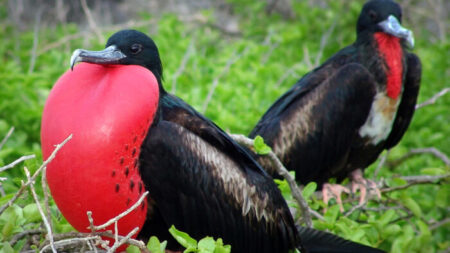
[(205, 192), (316, 241), (318, 122), (409, 98), (176, 110)]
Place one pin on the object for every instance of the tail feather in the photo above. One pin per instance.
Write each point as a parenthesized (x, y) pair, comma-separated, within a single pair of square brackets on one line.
[(316, 241)]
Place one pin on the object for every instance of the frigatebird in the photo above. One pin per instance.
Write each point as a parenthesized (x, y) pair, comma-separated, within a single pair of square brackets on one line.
[(336, 120), (130, 135)]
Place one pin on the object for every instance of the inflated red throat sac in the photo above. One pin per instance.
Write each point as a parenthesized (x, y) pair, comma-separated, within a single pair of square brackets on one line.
[(391, 51), (108, 109)]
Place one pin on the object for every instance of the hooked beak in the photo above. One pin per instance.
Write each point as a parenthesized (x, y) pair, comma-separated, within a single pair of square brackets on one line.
[(393, 27), (109, 55)]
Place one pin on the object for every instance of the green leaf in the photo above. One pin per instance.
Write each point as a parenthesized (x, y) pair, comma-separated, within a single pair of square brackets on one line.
[(154, 245), (135, 249), (260, 147), (309, 189), (412, 205), (7, 248), (332, 214), (385, 218), (432, 171), (206, 245), (31, 213), (183, 238)]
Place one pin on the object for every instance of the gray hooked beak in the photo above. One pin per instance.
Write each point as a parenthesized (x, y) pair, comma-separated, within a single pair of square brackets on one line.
[(393, 27), (109, 55)]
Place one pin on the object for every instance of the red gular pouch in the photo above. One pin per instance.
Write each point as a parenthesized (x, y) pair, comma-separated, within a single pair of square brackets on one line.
[(108, 109)]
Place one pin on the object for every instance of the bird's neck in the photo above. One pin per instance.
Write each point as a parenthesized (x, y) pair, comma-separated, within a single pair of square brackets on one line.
[(390, 50)]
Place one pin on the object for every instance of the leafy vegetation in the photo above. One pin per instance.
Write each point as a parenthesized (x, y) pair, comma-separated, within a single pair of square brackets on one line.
[(242, 75)]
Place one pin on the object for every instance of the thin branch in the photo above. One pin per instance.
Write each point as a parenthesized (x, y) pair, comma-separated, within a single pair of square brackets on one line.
[(380, 164), (71, 241), (21, 159), (433, 99), (141, 245), (286, 74), (91, 21), (215, 82), (296, 193), (33, 178), (19, 236), (117, 244), (323, 42), (39, 207), (46, 197), (37, 24), (438, 224), (184, 61), (11, 130), (118, 217), (412, 152), (413, 180)]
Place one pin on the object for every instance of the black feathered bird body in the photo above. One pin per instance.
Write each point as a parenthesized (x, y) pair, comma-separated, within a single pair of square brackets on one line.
[(205, 184), (340, 117)]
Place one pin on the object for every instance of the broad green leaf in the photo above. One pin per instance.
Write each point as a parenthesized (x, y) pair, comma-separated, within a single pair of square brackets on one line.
[(260, 147), (135, 249), (309, 189), (154, 245), (7, 248), (433, 171), (220, 248), (390, 230), (183, 238), (206, 245), (31, 213), (385, 218), (332, 214), (412, 205)]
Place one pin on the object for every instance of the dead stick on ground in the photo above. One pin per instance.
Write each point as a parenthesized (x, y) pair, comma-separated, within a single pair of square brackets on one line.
[(71, 241), (412, 152), (33, 178), (39, 207), (118, 217), (91, 21), (21, 159), (433, 99), (296, 193), (11, 130), (423, 179), (184, 61)]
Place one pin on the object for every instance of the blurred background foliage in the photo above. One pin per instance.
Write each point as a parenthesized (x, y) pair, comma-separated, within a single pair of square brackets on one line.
[(231, 59)]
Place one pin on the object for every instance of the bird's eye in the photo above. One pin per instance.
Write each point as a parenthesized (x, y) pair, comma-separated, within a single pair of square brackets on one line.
[(136, 48), (372, 15)]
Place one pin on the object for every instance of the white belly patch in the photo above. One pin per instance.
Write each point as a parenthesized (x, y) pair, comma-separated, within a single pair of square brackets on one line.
[(381, 117)]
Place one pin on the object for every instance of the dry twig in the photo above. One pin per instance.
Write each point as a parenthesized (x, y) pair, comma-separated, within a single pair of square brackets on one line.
[(39, 207), (33, 178), (413, 180), (21, 159), (296, 193), (433, 99), (180, 70), (91, 21), (412, 152), (11, 130), (121, 215)]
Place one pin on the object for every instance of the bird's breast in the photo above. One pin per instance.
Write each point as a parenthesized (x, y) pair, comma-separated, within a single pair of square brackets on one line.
[(380, 119), (108, 109)]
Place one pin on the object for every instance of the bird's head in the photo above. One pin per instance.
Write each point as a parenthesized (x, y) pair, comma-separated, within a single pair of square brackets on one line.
[(383, 16), (126, 47)]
